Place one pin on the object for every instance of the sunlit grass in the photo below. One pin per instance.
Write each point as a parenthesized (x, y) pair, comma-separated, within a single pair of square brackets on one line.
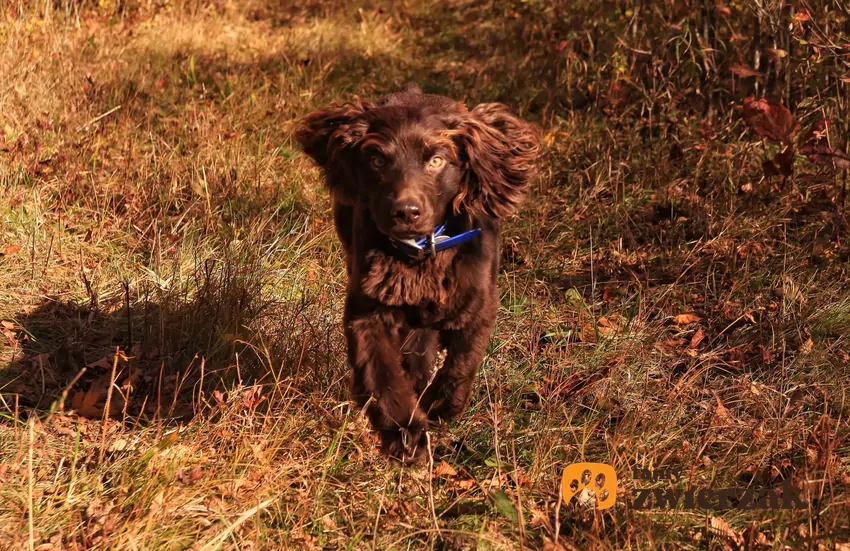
[(153, 203)]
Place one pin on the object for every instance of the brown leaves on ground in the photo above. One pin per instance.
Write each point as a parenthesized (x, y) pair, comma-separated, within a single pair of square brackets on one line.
[(772, 121), (754, 538), (90, 402), (697, 338), (9, 330), (719, 527), (604, 326), (678, 343), (86, 402), (721, 413), (685, 319), (460, 482), (252, 397), (445, 470), (465, 484), (713, 397), (11, 249), (742, 70), (775, 122)]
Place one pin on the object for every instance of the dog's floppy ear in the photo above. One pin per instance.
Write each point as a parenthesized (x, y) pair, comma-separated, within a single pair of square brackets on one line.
[(501, 153), (328, 135)]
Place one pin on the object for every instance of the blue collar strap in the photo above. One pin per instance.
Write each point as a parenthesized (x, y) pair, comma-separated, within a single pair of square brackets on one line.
[(435, 242)]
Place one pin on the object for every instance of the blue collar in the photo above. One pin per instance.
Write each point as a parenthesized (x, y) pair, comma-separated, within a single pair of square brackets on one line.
[(434, 242)]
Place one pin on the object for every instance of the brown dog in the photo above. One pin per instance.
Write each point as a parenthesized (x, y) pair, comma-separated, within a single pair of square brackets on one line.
[(419, 186)]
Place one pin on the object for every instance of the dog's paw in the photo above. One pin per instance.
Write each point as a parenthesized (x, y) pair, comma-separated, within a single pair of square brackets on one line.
[(409, 445)]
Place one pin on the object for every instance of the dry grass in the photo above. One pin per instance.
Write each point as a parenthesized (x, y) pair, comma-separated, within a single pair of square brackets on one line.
[(168, 259)]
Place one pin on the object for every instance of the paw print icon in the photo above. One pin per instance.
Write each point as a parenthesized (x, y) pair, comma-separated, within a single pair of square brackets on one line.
[(586, 480)]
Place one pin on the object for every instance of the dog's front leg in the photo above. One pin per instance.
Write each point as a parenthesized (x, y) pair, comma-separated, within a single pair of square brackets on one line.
[(448, 394), (381, 384)]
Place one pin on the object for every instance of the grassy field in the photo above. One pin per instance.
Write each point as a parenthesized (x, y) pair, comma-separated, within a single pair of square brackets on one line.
[(675, 290)]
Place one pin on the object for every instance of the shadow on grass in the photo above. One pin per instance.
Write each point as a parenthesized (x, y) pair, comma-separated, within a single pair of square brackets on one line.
[(170, 346)]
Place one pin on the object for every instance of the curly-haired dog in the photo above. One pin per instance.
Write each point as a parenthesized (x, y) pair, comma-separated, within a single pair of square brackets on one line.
[(419, 185)]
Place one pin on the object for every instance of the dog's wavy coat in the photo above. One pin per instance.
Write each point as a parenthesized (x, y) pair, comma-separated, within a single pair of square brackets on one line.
[(396, 169)]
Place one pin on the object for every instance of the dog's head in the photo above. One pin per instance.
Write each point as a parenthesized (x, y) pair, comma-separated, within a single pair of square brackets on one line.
[(413, 158)]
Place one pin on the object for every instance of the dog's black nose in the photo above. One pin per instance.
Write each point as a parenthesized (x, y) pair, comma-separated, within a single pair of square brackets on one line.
[(406, 211)]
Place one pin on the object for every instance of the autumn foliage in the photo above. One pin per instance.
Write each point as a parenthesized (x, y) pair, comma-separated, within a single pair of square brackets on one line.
[(675, 294)]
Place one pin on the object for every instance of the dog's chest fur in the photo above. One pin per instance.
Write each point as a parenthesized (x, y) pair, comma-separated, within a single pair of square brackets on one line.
[(430, 284)]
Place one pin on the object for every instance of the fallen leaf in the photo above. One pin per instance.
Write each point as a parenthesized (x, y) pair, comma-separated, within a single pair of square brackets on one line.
[(11, 249), (697, 338), (720, 412), (609, 326), (754, 535), (719, 527), (444, 469), (685, 319), (801, 16), (252, 397), (467, 484), (773, 121), (743, 70), (84, 403), (670, 346)]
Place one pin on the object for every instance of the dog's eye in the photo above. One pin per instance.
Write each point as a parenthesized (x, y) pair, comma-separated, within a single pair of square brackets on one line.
[(436, 161), (377, 161)]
